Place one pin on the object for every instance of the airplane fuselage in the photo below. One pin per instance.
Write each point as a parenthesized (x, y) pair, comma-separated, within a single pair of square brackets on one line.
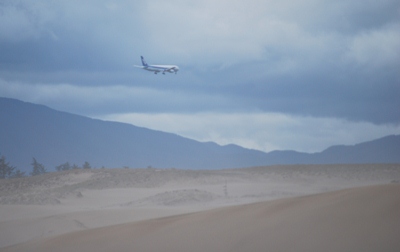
[(158, 68), (161, 68)]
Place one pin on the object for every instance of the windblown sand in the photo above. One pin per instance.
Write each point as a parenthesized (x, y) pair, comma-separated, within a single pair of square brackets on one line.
[(276, 208)]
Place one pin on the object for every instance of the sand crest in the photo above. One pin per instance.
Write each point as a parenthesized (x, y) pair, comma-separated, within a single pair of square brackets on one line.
[(358, 219)]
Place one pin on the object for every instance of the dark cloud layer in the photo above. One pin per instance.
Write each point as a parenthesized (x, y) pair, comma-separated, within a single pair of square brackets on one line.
[(324, 59)]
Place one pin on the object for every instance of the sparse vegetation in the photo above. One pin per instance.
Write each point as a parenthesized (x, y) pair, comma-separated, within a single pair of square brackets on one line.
[(37, 168), (86, 165), (63, 167), (18, 174), (6, 170), (66, 166), (9, 171)]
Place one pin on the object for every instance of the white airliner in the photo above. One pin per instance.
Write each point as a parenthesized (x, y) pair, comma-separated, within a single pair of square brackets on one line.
[(158, 68)]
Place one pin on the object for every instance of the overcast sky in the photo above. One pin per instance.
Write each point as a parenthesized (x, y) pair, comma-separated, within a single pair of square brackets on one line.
[(288, 74)]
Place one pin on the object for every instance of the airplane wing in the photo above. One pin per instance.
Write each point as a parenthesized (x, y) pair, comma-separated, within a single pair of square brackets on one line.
[(138, 66), (172, 69)]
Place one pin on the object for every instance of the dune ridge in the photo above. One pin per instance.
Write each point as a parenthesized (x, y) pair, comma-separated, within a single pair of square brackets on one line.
[(357, 219), (39, 207)]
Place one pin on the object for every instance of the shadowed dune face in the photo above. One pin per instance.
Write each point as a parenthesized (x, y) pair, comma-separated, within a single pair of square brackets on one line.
[(360, 219)]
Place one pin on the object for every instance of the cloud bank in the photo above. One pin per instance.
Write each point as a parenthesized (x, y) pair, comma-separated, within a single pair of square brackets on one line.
[(331, 64)]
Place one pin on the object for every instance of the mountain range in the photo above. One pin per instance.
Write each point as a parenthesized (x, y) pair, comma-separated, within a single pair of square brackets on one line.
[(53, 137)]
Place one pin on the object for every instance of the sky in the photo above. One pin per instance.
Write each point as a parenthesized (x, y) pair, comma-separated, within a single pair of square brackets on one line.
[(268, 75)]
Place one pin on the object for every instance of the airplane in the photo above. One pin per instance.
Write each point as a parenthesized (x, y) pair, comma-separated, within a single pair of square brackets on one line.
[(158, 68)]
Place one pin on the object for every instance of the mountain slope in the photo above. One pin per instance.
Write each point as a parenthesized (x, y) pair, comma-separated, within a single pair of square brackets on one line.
[(52, 137), (383, 150)]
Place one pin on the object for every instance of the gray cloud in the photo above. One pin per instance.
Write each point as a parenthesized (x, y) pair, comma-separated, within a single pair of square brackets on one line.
[(322, 59)]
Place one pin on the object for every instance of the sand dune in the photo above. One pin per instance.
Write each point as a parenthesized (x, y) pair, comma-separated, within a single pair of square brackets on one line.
[(360, 219), (35, 208)]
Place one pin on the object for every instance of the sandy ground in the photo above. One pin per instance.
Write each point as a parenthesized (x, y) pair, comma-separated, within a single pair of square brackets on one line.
[(128, 209)]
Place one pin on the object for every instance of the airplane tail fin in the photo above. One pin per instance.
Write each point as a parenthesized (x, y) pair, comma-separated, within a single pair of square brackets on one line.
[(143, 61)]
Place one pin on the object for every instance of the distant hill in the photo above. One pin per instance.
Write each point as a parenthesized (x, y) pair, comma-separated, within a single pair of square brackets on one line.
[(52, 137)]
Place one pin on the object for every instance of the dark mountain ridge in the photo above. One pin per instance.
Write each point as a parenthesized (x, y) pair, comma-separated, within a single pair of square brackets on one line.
[(52, 137)]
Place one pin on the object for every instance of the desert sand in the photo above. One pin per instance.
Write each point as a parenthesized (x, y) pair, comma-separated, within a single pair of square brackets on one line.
[(275, 208)]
